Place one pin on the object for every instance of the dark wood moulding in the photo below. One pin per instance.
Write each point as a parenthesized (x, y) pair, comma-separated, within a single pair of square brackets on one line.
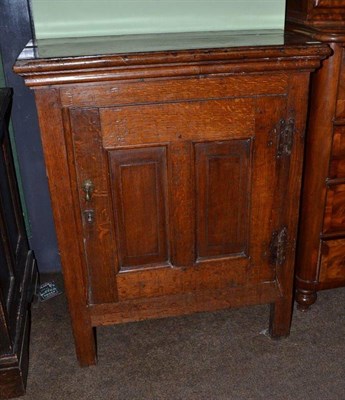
[(64, 61)]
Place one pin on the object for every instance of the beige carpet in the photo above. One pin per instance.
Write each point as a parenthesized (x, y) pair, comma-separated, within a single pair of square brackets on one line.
[(214, 356)]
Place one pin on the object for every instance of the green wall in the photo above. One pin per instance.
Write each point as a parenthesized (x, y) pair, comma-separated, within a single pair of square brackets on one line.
[(70, 18)]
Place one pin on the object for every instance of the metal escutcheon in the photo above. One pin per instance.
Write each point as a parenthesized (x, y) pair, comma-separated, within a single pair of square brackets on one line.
[(89, 216)]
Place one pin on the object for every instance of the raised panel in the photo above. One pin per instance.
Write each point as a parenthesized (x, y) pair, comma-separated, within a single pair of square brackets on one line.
[(223, 189), (334, 220), (139, 186)]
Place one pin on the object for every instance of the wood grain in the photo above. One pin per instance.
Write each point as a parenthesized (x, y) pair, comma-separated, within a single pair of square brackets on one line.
[(337, 161), (290, 180), (139, 188), (318, 150), (334, 218), (181, 190), (328, 15), (223, 186), (262, 53), (110, 94), (332, 264), (52, 133), (91, 162), (183, 304), (162, 123)]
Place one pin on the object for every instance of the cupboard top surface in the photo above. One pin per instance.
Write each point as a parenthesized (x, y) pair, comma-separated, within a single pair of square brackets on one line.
[(143, 43), (65, 61)]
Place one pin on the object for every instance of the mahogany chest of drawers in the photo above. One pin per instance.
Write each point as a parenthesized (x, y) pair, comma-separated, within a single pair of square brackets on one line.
[(174, 163), (321, 244)]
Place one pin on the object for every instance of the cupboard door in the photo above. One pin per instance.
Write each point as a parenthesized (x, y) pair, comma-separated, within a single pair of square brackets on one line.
[(182, 197)]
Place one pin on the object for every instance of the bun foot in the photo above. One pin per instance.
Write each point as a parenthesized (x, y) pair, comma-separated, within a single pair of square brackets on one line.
[(305, 299)]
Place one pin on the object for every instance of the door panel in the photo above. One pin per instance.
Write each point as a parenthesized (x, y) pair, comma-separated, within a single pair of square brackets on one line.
[(163, 123), (139, 184), (222, 188)]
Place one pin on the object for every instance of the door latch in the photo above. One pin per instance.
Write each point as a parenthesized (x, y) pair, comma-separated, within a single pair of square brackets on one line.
[(88, 187)]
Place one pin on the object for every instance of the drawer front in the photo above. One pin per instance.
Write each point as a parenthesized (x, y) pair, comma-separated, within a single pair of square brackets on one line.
[(327, 13), (334, 221), (332, 265), (337, 162), (329, 4), (340, 110)]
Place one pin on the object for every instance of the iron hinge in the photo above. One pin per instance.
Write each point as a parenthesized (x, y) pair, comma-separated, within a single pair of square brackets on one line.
[(284, 133), (285, 138), (278, 246)]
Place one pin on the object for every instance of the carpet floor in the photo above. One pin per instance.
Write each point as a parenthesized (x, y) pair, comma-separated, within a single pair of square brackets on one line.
[(222, 355)]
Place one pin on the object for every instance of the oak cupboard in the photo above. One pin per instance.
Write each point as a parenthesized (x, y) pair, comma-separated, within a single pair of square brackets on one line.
[(321, 245), (174, 163)]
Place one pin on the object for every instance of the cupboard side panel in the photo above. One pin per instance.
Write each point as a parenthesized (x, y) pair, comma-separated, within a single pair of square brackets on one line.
[(52, 134)]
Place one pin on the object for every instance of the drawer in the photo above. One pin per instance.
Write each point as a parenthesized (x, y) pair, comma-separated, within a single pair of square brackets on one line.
[(340, 107), (334, 220), (329, 4), (332, 264), (337, 162)]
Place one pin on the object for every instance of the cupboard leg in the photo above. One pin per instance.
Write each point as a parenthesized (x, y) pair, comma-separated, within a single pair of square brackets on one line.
[(280, 318), (85, 344), (305, 299)]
